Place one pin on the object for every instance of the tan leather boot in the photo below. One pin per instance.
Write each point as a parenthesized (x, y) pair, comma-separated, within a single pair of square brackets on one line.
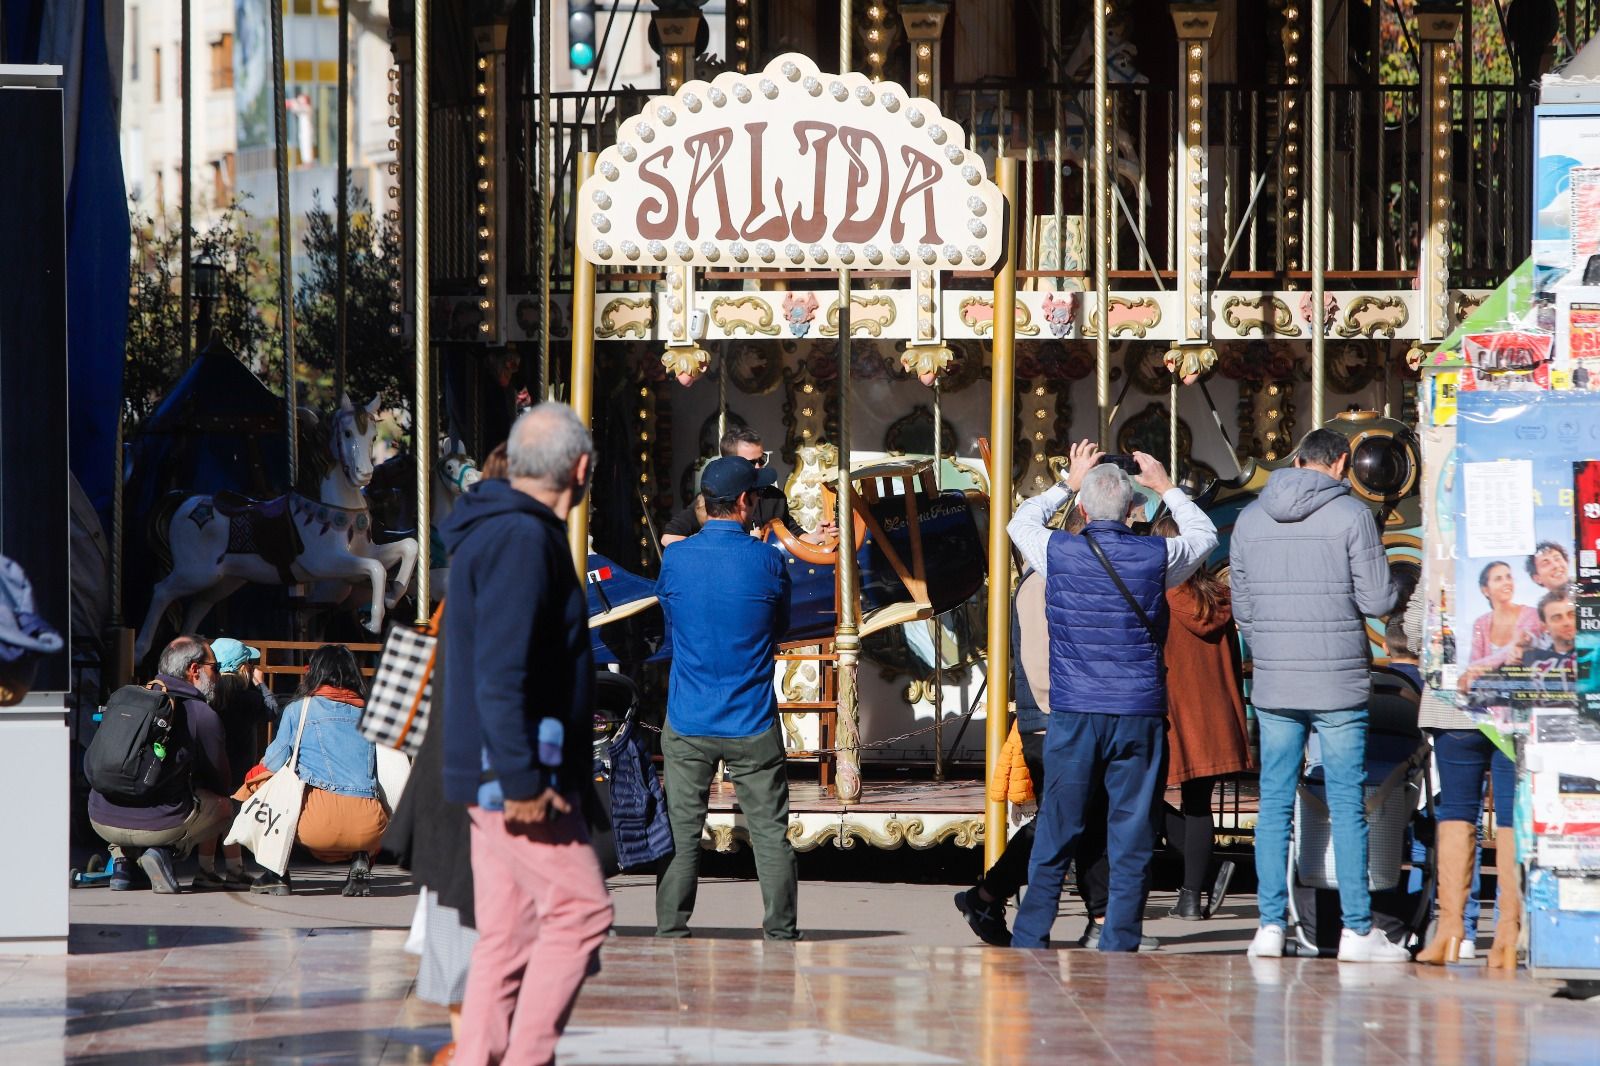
[(1457, 848), (1508, 927)]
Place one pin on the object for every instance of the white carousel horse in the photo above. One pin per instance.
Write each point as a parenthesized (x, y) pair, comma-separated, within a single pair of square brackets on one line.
[(217, 544), (453, 475)]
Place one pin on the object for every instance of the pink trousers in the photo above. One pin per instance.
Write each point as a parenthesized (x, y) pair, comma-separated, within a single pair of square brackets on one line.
[(542, 913)]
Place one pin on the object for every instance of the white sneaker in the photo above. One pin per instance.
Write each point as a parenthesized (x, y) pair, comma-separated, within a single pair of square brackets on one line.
[(1467, 950), (1371, 946), (1268, 943)]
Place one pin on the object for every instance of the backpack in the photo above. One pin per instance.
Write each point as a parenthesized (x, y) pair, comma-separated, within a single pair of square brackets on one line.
[(132, 755)]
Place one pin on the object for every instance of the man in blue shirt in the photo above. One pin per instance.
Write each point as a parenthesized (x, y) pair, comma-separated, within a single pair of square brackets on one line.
[(726, 597)]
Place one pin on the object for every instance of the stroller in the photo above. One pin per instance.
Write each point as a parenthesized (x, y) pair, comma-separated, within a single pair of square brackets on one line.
[(637, 833), (1399, 800)]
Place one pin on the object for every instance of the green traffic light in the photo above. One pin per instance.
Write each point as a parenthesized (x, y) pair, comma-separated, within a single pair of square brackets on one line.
[(582, 53)]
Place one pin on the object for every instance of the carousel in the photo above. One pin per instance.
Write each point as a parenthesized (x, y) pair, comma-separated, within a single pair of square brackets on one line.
[(920, 249)]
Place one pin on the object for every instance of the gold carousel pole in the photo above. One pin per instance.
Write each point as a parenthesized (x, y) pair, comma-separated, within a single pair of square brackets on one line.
[(186, 216), (546, 193), (847, 641), (422, 424), (285, 239), (1319, 218), (582, 366), (1002, 431), (1104, 146)]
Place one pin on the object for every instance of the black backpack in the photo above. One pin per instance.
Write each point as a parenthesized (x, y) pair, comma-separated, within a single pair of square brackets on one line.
[(132, 754)]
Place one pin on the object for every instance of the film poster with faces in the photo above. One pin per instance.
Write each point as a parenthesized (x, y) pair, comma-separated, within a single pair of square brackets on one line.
[(1515, 618)]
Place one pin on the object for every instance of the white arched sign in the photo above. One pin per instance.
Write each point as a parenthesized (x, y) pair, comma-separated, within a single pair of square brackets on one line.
[(791, 168)]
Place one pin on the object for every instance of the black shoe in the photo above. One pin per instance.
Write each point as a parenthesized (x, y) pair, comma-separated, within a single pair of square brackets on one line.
[(359, 881), (271, 884), (157, 865), (1187, 907), (988, 920), (1219, 887), (1091, 938)]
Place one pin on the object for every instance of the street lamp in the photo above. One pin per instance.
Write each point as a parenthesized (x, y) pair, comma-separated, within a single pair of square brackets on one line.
[(207, 287)]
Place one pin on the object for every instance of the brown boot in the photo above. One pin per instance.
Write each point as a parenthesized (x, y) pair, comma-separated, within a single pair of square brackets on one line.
[(1508, 927), (1457, 849)]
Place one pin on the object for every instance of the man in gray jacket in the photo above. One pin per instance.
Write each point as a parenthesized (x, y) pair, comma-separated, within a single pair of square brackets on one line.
[(1308, 569)]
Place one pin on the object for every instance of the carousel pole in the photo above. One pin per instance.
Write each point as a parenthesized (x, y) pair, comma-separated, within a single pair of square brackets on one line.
[(342, 282), (285, 278), (546, 193), (1002, 432), (186, 154), (847, 641), (1104, 146), (422, 423), (582, 384), (1319, 217)]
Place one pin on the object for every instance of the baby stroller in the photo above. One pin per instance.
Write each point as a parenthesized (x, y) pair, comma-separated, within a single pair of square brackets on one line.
[(1399, 796), (637, 832)]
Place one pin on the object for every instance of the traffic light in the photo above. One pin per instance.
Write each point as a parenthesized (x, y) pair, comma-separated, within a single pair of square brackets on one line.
[(580, 34)]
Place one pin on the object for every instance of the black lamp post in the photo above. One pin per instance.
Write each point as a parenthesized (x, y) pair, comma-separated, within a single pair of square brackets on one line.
[(207, 274)]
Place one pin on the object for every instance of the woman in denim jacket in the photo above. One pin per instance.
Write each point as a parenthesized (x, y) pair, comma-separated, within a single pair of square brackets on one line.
[(343, 816)]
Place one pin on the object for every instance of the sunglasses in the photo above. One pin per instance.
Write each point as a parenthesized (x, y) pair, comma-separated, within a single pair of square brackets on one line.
[(766, 457)]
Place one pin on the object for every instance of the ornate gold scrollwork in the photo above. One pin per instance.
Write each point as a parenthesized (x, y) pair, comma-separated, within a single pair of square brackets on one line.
[(626, 317)]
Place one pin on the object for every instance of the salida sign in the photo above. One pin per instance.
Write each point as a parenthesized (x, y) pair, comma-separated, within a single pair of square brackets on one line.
[(791, 168)]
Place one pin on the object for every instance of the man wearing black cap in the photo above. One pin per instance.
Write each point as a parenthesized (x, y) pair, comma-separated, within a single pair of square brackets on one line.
[(771, 504), (726, 596)]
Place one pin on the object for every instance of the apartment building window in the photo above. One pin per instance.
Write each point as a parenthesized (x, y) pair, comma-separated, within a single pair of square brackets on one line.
[(161, 195), (222, 62), (133, 42), (155, 73)]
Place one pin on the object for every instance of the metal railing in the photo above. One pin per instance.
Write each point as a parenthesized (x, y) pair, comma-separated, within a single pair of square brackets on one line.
[(1259, 192)]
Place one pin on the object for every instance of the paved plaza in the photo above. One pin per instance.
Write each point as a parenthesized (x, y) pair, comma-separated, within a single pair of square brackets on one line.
[(887, 975)]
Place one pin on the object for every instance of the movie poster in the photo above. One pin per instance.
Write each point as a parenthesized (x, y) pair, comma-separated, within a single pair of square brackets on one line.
[(1515, 620)]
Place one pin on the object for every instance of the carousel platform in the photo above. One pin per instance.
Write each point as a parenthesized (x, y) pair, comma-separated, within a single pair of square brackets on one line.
[(921, 814)]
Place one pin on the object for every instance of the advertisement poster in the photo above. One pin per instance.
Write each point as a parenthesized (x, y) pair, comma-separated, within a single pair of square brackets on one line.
[(1438, 653), (1515, 618), (1566, 188), (1578, 335), (252, 74)]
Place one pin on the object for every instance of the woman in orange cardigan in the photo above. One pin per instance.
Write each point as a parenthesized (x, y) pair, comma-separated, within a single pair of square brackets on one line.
[(1206, 735)]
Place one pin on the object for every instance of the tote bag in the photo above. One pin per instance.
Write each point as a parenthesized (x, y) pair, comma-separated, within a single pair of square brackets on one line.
[(396, 714), (267, 822)]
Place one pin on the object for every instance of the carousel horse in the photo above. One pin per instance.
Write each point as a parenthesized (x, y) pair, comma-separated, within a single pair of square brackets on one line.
[(216, 544), (392, 495)]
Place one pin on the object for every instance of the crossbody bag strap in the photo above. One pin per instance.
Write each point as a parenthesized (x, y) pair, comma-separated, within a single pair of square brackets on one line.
[(1144, 619), (300, 731)]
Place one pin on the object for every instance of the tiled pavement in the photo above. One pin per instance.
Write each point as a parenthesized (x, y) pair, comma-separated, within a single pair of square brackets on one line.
[(295, 986)]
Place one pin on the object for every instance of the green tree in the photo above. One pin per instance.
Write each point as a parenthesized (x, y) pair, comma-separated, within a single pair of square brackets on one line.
[(377, 360), (154, 354)]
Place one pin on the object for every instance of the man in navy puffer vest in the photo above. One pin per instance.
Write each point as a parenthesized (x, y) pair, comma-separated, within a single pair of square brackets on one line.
[(1108, 697)]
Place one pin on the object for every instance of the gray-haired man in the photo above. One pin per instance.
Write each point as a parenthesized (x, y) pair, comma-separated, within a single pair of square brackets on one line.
[(1106, 608)]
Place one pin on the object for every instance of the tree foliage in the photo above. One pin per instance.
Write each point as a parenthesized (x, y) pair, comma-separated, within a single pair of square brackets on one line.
[(154, 357), (377, 359)]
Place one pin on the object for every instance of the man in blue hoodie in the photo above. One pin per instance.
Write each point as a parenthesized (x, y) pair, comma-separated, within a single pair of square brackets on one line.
[(1308, 569), (517, 717)]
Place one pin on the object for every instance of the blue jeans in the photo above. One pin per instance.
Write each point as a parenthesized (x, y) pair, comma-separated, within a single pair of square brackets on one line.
[(1343, 739), (1084, 753), (1465, 756)]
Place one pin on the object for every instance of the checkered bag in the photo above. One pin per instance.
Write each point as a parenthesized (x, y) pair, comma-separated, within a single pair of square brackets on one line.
[(396, 715)]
